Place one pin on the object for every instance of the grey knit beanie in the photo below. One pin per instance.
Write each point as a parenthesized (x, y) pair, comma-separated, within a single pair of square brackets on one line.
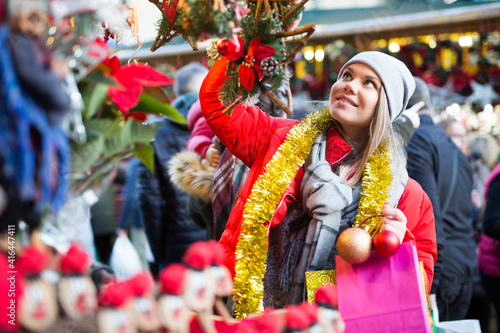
[(396, 78)]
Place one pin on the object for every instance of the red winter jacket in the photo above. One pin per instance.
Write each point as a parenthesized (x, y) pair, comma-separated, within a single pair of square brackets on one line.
[(253, 136)]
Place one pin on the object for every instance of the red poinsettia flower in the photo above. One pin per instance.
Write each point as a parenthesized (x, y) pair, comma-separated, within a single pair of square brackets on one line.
[(256, 53), (98, 49), (233, 49), (132, 78), (169, 7)]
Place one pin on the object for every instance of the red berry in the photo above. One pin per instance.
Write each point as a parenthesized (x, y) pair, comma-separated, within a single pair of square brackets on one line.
[(386, 243)]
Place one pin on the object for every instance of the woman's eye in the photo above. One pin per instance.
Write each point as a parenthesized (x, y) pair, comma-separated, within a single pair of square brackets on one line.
[(370, 83), (346, 76)]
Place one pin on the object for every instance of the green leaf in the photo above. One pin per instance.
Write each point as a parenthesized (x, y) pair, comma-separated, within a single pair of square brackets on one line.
[(83, 156), (81, 182), (97, 97), (126, 135), (108, 140), (106, 127), (149, 105), (145, 152), (98, 77)]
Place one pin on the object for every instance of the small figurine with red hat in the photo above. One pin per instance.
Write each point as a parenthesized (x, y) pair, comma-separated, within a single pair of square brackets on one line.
[(328, 316), (200, 288), (223, 280), (38, 308), (77, 293), (144, 305), (312, 312), (115, 314), (172, 310), (296, 319), (269, 321)]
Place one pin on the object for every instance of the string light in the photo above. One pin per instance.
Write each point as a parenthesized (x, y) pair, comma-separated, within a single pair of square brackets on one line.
[(309, 53), (465, 41), (319, 55), (394, 47)]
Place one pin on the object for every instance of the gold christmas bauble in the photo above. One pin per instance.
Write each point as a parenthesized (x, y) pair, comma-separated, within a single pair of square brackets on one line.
[(354, 245)]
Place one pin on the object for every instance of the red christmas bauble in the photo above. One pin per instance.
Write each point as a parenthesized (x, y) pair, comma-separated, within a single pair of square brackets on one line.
[(354, 245), (386, 243), (222, 46)]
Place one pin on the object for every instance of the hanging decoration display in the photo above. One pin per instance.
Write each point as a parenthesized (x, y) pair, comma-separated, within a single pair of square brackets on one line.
[(459, 68), (183, 298), (253, 37), (453, 62)]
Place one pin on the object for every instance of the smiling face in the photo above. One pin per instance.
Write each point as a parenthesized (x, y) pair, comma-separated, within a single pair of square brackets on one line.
[(354, 98)]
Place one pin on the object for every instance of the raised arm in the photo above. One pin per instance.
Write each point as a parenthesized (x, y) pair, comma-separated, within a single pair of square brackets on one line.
[(248, 131)]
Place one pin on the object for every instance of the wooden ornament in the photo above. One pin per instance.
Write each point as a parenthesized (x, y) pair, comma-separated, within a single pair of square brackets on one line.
[(173, 313), (116, 320), (38, 310), (77, 296)]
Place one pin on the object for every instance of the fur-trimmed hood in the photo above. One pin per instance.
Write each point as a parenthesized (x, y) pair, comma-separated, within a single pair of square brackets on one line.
[(192, 175)]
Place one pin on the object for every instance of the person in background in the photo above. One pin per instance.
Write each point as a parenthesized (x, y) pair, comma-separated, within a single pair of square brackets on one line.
[(103, 215), (444, 173), (202, 136), (489, 245), (197, 178), (169, 228), (130, 220), (408, 122), (483, 154), (457, 133)]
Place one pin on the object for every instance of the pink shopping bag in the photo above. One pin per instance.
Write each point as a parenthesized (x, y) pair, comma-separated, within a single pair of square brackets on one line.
[(383, 294)]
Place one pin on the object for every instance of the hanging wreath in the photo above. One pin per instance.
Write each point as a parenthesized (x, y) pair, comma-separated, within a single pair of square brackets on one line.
[(253, 37)]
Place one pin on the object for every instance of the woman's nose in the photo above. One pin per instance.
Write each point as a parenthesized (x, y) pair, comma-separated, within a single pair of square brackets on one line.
[(351, 87)]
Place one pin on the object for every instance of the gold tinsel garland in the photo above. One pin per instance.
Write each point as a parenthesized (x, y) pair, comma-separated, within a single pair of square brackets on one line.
[(377, 179), (251, 250)]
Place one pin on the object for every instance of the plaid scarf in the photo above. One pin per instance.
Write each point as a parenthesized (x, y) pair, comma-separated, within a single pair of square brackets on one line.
[(228, 180), (329, 207)]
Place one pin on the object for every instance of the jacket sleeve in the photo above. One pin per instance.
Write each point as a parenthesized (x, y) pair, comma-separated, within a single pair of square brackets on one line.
[(246, 133), (149, 197), (417, 208), (421, 165), (491, 222), (201, 137)]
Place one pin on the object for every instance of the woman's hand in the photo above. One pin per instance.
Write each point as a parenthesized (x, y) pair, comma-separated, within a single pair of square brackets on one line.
[(394, 220)]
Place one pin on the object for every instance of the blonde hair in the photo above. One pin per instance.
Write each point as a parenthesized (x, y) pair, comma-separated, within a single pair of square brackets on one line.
[(380, 131)]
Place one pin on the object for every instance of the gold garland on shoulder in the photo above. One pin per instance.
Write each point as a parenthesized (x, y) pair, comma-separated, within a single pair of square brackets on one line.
[(377, 179), (251, 250)]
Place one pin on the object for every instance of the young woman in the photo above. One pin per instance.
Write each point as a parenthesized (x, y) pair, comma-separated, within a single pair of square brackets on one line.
[(305, 178)]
